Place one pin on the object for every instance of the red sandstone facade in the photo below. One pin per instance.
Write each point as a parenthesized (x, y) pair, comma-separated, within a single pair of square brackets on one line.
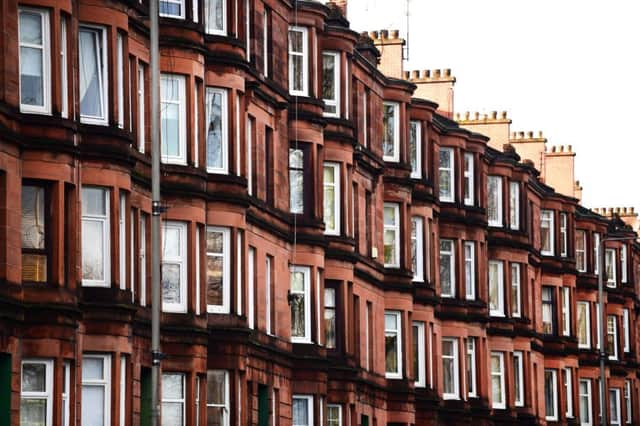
[(345, 256)]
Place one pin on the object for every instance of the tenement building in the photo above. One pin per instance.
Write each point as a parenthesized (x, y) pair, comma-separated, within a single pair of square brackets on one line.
[(336, 249)]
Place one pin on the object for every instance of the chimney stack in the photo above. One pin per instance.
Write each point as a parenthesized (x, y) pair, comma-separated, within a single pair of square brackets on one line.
[(342, 5)]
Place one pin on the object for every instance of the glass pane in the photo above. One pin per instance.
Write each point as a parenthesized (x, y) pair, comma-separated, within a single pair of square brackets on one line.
[(300, 412), (329, 207), (445, 274), (171, 243), (328, 77), (297, 315), (549, 392), (496, 389), (214, 130), (413, 149), (172, 414), (33, 412), (215, 241), (390, 247), (92, 406), (93, 201), (34, 377), (214, 280), (296, 158), (391, 351), (389, 215), (448, 375), (33, 220), (330, 327), (215, 416), (416, 354), (390, 322), (170, 130), (295, 41), (34, 267), (30, 28), (329, 298), (296, 181), (31, 76), (171, 283), (172, 386), (90, 70), (92, 250), (216, 387), (170, 8), (297, 281), (388, 136), (92, 368), (297, 72)]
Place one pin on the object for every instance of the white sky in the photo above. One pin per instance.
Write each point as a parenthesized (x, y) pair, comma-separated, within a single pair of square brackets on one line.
[(570, 68)]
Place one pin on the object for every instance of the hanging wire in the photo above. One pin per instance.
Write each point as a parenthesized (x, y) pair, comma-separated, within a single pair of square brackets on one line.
[(295, 215)]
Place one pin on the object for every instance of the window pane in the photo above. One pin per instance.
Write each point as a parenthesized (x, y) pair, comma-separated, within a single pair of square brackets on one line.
[(93, 201), (92, 369), (33, 412), (388, 136), (90, 72), (31, 76), (300, 412), (92, 405), (328, 79), (391, 350), (30, 28), (215, 416), (172, 386), (172, 413), (214, 280), (216, 392), (214, 129), (171, 283), (92, 250), (34, 377), (33, 220)]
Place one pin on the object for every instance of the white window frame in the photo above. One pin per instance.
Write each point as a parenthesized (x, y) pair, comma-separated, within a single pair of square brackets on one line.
[(416, 173), (66, 392), (47, 395), (132, 255), (628, 401), (398, 333), (247, 27), (226, 270), (210, 29), (566, 311), (267, 289), (623, 263), (547, 216), (122, 237), (497, 311), (554, 374), (142, 248), (105, 383), (596, 252), (365, 119), (496, 221), (196, 127), (181, 158), (514, 205), (168, 15), (518, 378), (588, 421), (568, 386), (120, 78), (417, 235), (103, 75), (106, 238), (456, 373), (64, 83), (194, 10), (45, 48), (224, 137), (614, 319), (123, 390), (141, 108), (451, 169), (239, 276), (226, 406), (339, 408), (306, 271), (587, 313), (469, 176), (181, 260), (249, 157), (335, 168), (395, 228), (625, 330), (564, 234), (421, 380), (198, 271), (501, 405), (182, 401), (611, 281), (516, 283), (470, 269), (336, 82), (396, 134), (598, 329), (265, 42), (251, 280), (581, 267), (452, 268), (615, 393), (305, 61), (472, 392), (309, 399)]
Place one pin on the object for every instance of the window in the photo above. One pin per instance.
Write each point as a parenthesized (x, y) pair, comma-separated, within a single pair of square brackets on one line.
[(172, 9), (331, 83), (547, 232), (625, 330), (143, 260), (251, 285), (548, 310), (197, 400), (35, 61), (581, 247), (516, 292), (173, 399), (468, 179), (415, 149), (218, 270), (470, 269), (498, 396), (249, 158), (122, 239), (598, 322), (298, 61), (419, 368), (614, 407), (563, 235), (551, 394), (330, 317), (34, 234), (93, 75), (173, 119), (174, 266), (471, 367), (96, 256), (447, 269), (494, 200), (568, 388), (334, 415), (496, 288), (391, 131), (446, 175), (514, 205), (332, 198), (391, 235), (584, 325), (566, 311), (365, 118), (627, 401), (141, 109), (302, 410), (215, 17), (247, 30), (585, 402), (417, 249), (96, 389), (393, 344), (36, 396), (66, 389), (612, 337), (518, 378), (300, 301), (296, 181), (64, 84), (265, 42), (450, 368), (217, 131), (596, 252), (120, 78), (269, 294), (623, 263), (610, 267), (218, 397)]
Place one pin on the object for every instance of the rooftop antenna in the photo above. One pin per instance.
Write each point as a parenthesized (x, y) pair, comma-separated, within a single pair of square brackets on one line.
[(406, 46)]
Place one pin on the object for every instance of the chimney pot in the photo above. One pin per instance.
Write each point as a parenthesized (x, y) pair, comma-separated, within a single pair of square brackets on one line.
[(494, 114), (521, 135), (415, 74), (395, 34), (476, 115), (504, 114), (436, 73), (466, 115), (540, 134), (447, 72), (384, 34), (530, 135), (569, 148)]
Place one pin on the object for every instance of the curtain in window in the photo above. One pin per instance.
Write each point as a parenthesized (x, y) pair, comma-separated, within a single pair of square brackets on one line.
[(170, 95), (214, 129), (31, 59), (215, 260), (90, 73)]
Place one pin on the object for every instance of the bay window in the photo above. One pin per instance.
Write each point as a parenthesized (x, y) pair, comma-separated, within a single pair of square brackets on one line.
[(551, 394), (36, 392), (331, 83), (96, 246), (218, 404), (584, 325), (391, 235), (516, 292), (472, 385), (612, 337), (217, 131), (564, 240), (93, 66), (581, 250), (610, 267), (496, 288), (415, 149), (391, 131), (450, 375), (35, 60), (331, 199), (298, 61), (393, 344), (584, 393), (494, 200), (419, 367), (518, 378), (446, 175), (417, 248), (498, 394), (302, 410), (35, 234), (447, 269), (300, 302), (548, 310), (547, 232), (218, 278), (215, 17), (172, 9), (468, 179), (615, 417), (174, 266), (514, 205), (96, 389), (173, 119), (470, 269), (296, 180), (173, 399)]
